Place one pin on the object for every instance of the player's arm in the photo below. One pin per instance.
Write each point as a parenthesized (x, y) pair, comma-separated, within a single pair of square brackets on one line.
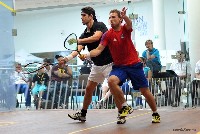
[(73, 54), (97, 35), (33, 82), (93, 53), (126, 19), (97, 51)]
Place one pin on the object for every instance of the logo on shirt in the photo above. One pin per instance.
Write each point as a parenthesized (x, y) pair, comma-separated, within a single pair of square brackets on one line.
[(114, 39), (122, 36)]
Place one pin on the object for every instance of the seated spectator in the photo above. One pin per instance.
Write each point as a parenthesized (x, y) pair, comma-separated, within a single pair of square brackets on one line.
[(39, 85), (195, 85), (152, 57), (60, 73), (183, 70), (21, 84), (197, 70)]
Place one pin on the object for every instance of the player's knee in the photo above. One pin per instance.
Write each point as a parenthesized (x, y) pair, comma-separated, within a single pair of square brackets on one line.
[(113, 80)]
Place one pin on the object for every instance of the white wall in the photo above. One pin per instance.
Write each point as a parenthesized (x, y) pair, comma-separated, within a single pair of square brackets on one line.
[(40, 31)]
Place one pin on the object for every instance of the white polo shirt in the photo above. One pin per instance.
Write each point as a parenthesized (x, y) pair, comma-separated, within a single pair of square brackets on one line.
[(180, 68), (197, 67)]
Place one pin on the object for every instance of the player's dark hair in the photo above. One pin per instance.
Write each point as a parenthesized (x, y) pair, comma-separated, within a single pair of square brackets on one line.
[(89, 11)]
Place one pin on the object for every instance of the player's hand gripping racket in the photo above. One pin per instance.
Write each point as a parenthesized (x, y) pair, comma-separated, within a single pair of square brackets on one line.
[(71, 43)]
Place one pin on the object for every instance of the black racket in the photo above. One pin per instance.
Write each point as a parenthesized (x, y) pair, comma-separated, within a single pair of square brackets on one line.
[(71, 43), (33, 67)]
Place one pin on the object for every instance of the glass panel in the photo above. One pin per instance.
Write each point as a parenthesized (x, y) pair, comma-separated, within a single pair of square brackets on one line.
[(7, 90)]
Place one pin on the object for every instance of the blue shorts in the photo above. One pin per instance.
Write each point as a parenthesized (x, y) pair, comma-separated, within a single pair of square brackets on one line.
[(134, 72), (38, 88)]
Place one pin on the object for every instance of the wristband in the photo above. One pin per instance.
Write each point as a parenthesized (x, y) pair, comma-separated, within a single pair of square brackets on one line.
[(69, 57), (88, 55)]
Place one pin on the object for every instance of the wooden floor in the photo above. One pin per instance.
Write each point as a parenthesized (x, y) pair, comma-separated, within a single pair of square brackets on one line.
[(173, 121)]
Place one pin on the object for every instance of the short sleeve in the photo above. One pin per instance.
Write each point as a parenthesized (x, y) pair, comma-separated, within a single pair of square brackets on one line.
[(144, 54), (197, 70), (105, 39), (101, 27), (156, 53)]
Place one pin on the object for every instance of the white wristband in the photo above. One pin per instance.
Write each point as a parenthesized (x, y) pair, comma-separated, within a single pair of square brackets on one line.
[(88, 55), (69, 57)]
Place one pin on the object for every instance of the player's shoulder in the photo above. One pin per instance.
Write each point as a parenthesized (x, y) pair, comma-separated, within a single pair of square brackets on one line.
[(99, 24), (110, 30), (107, 34)]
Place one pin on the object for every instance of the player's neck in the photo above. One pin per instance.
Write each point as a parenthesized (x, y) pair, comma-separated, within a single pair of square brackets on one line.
[(117, 28), (89, 25)]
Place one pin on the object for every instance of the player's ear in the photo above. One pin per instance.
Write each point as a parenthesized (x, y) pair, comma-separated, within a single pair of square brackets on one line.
[(121, 20), (91, 15)]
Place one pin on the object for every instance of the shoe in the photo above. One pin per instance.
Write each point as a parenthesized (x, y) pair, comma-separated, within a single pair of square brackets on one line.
[(125, 110), (156, 118), (99, 105), (28, 107), (77, 116), (130, 109), (17, 103), (121, 120)]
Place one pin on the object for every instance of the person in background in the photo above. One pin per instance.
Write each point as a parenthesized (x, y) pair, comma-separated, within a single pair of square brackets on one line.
[(152, 57), (195, 85), (60, 74), (21, 84), (48, 67), (183, 70), (39, 85), (197, 70)]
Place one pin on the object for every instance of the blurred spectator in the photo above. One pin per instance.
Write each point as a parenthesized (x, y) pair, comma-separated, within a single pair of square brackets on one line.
[(197, 70), (152, 57), (21, 85), (182, 68), (61, 73), (195, 85), (39, 85)]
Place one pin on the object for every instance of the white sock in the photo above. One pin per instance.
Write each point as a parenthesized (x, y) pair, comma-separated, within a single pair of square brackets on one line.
[(124, 104)]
